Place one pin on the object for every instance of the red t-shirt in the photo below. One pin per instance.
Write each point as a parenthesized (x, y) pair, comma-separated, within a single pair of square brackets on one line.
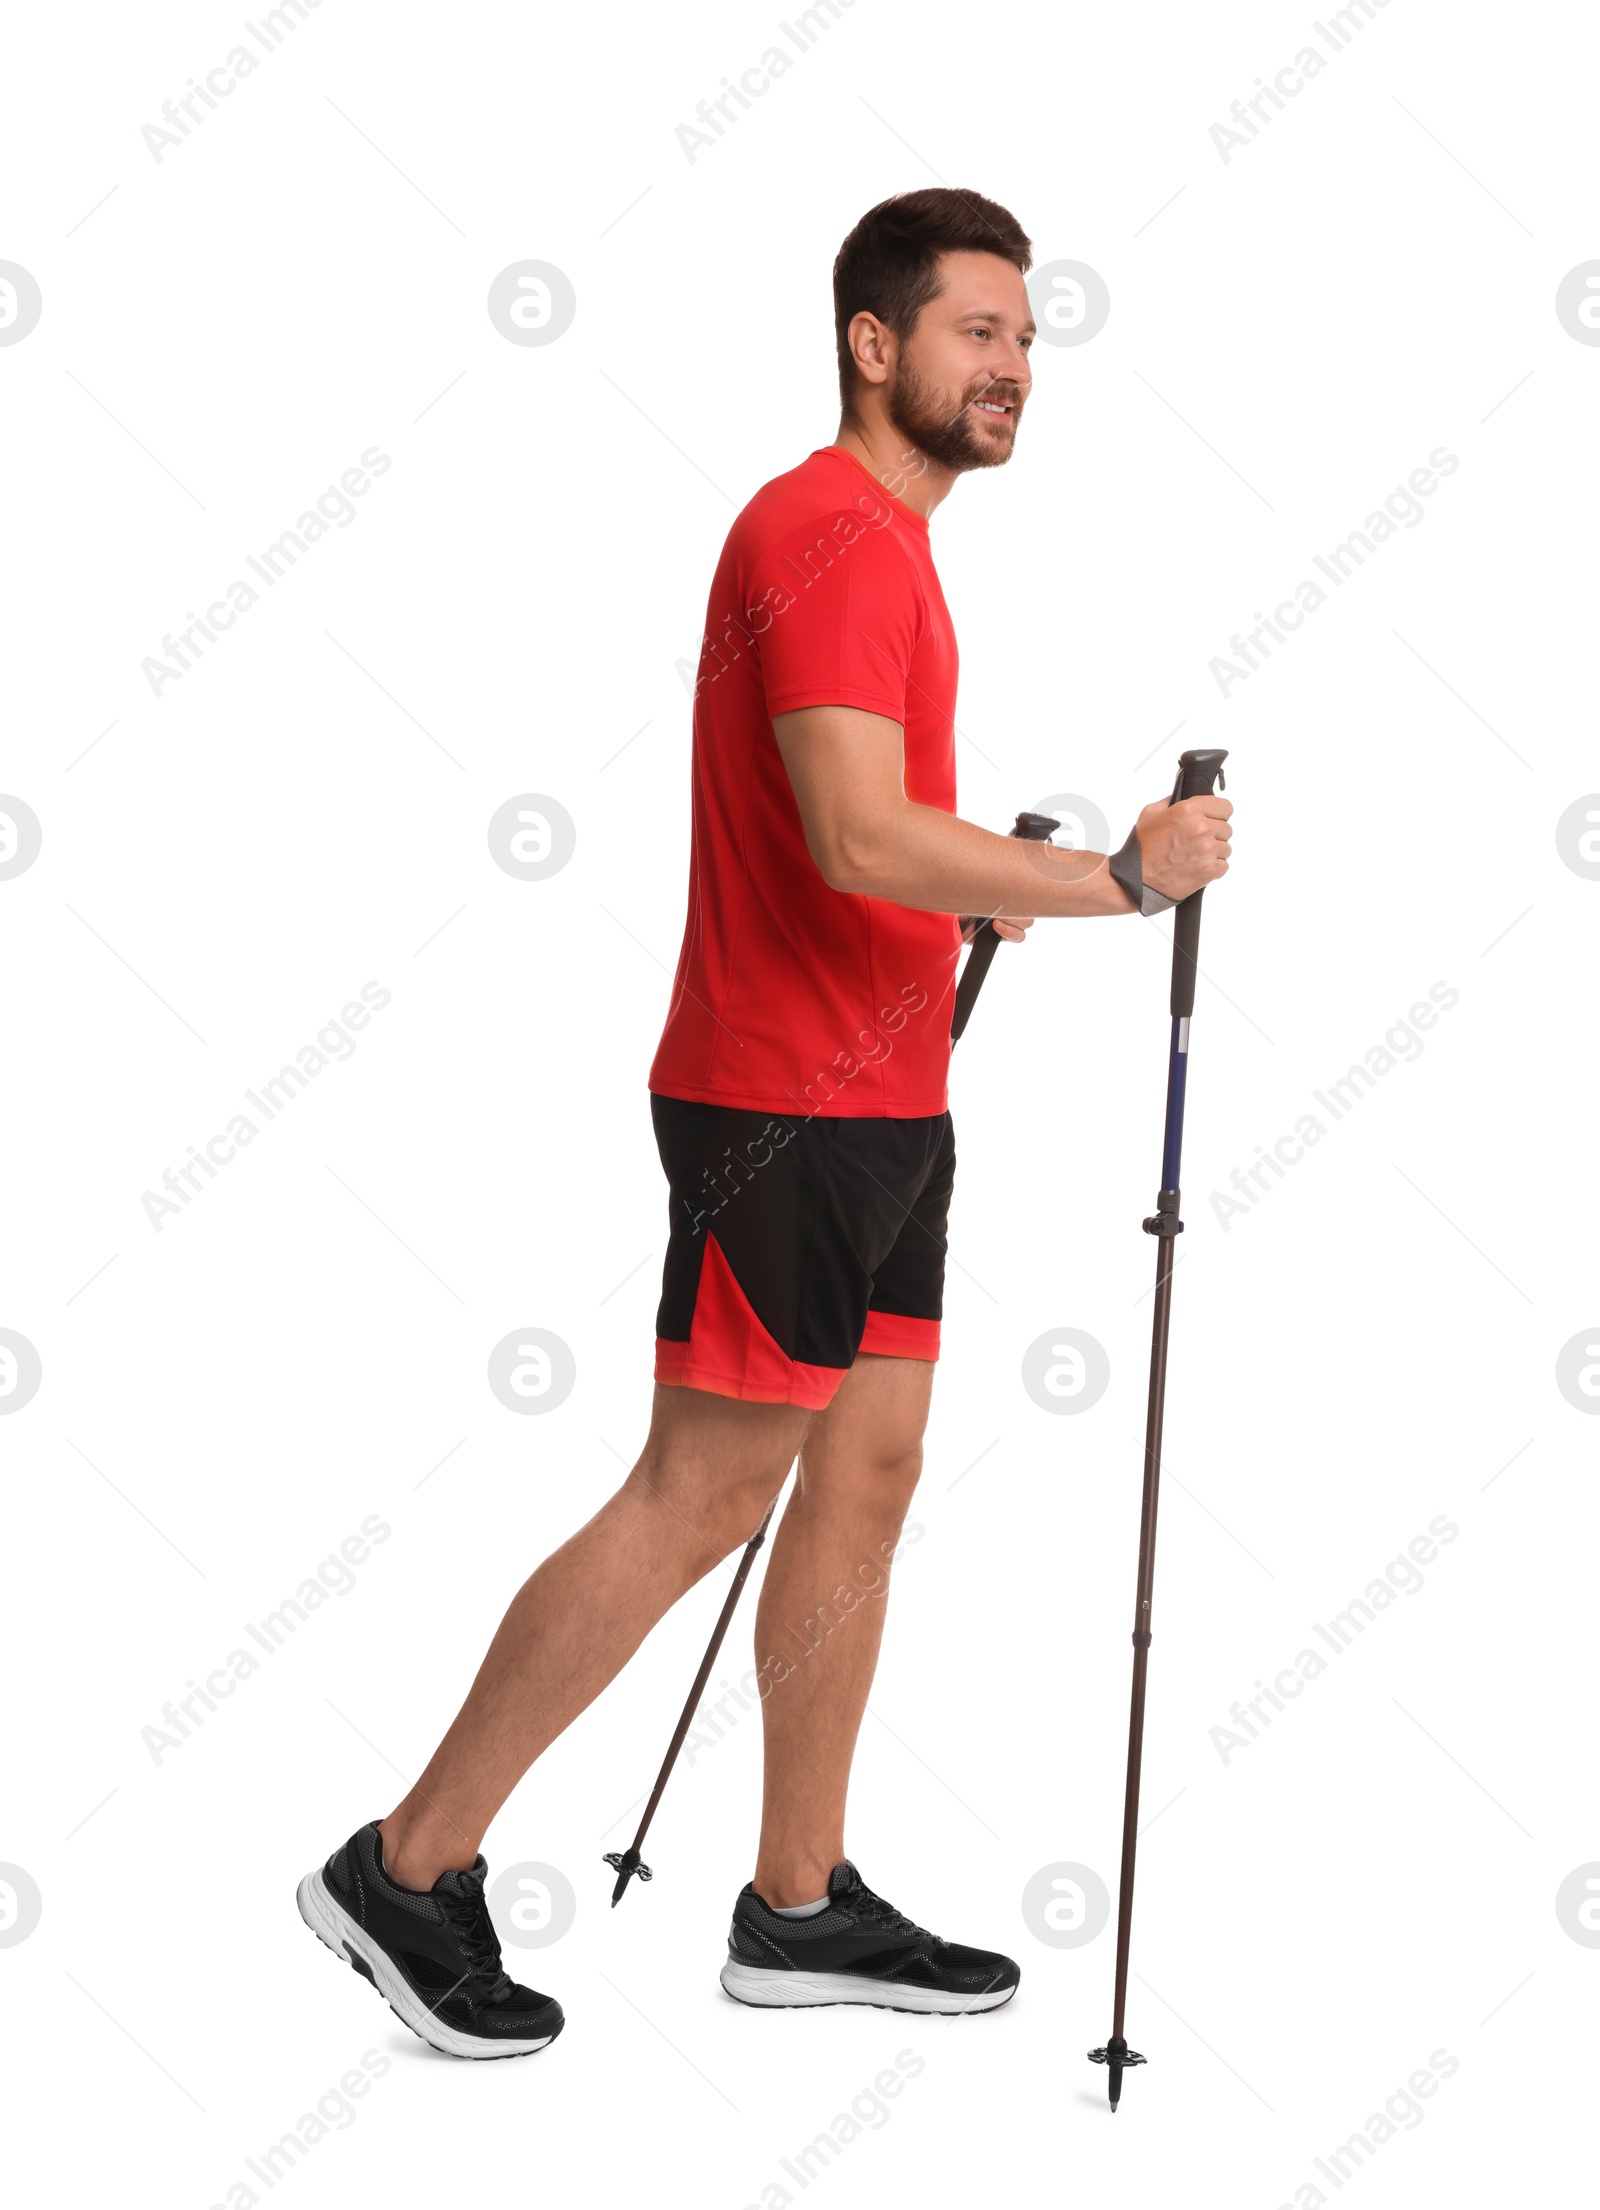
[(791, 997)]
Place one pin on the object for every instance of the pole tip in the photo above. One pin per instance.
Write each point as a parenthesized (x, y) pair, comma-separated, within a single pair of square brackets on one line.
[(1116, 2056), (628, 1862)]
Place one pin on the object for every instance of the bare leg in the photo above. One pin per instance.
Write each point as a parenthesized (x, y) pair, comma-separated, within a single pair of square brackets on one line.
[(709, 1470), (820, 1620)]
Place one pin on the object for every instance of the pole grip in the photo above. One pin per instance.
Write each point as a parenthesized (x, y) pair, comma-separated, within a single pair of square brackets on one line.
[(1199, 773), (1033, 828)]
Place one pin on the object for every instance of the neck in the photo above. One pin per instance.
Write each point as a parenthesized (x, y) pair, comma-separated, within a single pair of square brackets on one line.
[(902, 469)]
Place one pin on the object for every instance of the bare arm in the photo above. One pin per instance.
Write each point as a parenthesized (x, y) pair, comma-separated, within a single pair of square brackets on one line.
[(847, 772)]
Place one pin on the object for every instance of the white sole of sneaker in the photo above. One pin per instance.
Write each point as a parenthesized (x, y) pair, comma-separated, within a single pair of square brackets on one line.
[(333, 1926), (770, 1990)]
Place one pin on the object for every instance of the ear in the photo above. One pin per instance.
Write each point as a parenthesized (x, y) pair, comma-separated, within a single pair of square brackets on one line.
[(872, 346)]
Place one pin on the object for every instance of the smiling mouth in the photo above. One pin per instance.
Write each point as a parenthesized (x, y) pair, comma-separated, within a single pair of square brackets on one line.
[(1001, 408)]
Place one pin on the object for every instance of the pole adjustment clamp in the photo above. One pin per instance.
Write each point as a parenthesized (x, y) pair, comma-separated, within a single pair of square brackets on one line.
[(1164, 1220)]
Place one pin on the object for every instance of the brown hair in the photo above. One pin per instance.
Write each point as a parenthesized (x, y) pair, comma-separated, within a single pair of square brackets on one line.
[(888, 266)]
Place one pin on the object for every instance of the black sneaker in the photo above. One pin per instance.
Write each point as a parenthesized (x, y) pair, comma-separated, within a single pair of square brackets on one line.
[(859, 1950), (434, 1958)]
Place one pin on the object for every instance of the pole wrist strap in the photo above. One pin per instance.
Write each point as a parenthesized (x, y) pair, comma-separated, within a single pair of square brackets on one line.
[(1127, 867)]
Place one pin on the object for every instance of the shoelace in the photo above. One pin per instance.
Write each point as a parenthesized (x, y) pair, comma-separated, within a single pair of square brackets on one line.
[(469, 1915), (866, 1904)]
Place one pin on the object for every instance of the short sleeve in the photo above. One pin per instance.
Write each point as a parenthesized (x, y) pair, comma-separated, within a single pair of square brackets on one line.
[(836, 612)]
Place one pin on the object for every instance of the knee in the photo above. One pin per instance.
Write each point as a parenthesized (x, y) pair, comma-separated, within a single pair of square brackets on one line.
[(883, 1482), (895, 1478)]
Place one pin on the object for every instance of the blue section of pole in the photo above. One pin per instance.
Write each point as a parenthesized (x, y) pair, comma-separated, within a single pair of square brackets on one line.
[(1177, 1079)]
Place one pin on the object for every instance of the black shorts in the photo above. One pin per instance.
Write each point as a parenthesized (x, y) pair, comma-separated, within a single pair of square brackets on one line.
[(797, 1241)]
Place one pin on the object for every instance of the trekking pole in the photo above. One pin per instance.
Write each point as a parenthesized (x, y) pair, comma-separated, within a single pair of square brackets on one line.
[(628, 1861), (1035, 828), (1199, 773)]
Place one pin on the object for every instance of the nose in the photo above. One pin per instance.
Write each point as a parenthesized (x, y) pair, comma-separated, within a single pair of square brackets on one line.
[(1016, 369)]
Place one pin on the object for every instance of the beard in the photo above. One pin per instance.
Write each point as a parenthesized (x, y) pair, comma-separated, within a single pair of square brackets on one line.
[(947, 431)]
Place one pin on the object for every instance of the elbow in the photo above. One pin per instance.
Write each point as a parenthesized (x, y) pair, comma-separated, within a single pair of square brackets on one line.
[(847, 863), (838, 875)]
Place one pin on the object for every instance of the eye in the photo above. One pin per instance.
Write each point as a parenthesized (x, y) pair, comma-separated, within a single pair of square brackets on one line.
[(979, 330), (1026, 344)]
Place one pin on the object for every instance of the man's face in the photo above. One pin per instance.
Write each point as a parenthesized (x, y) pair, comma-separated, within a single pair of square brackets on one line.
[(961, 379)]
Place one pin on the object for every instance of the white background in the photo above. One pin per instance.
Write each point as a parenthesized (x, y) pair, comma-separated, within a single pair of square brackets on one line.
[(1374, 1878)]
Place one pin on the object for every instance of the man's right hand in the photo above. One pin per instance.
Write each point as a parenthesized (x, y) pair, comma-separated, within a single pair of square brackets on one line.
[(1183, 847)]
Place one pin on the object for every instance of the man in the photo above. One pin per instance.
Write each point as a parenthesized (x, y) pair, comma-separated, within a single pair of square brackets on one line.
[(799, 1102)]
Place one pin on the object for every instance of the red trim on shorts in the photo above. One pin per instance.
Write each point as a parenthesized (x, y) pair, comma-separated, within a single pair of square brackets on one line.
[(731, 1354), (897, 1335)]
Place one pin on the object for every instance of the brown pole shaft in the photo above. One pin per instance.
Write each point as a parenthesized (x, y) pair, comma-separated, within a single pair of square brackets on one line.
[(1141, 1610), (704, 1674)]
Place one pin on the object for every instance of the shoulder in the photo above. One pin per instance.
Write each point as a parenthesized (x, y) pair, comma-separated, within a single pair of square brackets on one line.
[(815, 514), (827, 489)]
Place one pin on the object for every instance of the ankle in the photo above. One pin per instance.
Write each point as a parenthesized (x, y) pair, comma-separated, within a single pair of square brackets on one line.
[(788, 1884), (414, 1859)]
